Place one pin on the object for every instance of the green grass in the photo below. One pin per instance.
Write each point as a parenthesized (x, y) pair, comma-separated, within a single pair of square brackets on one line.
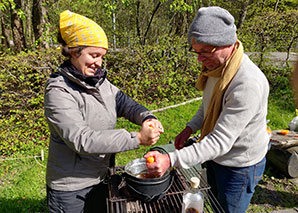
[(22, 182), (173, 120), (22, 186)]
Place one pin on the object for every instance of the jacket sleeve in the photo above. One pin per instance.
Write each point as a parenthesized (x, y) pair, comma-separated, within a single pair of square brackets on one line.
[(242, 105), (68, 127), (197, 120), (130, 109)]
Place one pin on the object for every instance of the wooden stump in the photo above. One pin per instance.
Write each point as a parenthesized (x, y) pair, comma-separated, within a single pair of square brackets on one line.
[(285, 160), (284, 153)]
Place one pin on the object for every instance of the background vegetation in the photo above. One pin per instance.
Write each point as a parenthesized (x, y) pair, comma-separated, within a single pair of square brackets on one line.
[(148, 59)]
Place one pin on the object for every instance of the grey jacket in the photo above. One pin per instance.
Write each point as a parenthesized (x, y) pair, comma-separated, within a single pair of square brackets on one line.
[(81, 119), (239, 138)]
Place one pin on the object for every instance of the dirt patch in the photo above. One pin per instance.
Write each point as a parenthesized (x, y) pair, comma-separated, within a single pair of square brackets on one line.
[(274, 192)]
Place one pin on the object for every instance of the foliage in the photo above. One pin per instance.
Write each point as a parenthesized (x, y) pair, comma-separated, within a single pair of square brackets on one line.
[(280, 87), (129, 23), (158, 73), (21, 99), (271, 31), (161, 73)]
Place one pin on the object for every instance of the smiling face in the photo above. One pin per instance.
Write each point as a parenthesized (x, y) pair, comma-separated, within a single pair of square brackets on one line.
[(89, 60), (218, 57)]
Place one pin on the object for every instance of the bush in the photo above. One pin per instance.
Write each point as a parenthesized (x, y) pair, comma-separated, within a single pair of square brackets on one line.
[(162, 73), (21, 107)]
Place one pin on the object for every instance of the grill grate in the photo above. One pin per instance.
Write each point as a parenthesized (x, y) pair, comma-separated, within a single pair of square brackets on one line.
[(120, 201)]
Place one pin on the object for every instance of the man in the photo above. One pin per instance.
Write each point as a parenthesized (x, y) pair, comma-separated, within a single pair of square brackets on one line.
[(232, 117)]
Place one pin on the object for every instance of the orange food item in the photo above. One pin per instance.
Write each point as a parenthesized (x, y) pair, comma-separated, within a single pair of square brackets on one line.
[(268, 130), (284, 131), (150, 159)]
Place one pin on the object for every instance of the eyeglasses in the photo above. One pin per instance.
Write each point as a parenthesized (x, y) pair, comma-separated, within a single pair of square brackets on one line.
[(204, 54)]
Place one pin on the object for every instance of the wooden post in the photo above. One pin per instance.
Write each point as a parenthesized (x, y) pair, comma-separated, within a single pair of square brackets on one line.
[(285, 160), (41, 155)]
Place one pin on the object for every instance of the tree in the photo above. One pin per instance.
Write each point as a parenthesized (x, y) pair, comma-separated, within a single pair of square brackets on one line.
[(272, 31), (17, 26), (6, 32), (39, 22), (243, 14)]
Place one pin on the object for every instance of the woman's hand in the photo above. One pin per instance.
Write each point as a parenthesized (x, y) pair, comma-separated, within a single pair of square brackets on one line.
[(182, 137), (150, 132), (160, 165)]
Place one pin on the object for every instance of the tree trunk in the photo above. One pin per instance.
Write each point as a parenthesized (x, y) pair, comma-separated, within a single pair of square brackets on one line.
[(138, 22), (27, 8), (39, 21), (291, 43), (5, 31), (17, 28), (114, 26), (206, 3), (243, 14), (294, 83), (285, 160), (151, 19)]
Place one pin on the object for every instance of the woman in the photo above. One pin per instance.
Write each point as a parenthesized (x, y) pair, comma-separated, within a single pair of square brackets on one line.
[(81, 108)]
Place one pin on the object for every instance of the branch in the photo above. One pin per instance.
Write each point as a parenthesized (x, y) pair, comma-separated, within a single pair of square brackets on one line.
[(153, 13)]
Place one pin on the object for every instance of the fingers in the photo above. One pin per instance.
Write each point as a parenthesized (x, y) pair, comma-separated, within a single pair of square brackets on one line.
[(179, 145), (179, 141), (150, 132), (148, 135), (160, 127), (155, 124), (151, 154), (182, 137), (160, 165)]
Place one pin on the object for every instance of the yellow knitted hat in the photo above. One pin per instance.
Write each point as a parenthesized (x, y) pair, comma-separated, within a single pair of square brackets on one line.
[(77, 30)]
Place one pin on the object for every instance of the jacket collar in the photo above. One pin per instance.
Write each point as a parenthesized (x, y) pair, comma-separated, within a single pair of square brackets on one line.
[(70, 71)]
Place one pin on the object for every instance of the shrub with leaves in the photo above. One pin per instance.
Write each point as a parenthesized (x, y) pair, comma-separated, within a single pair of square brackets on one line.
[(160, 73), (153, 74), (21, 99)]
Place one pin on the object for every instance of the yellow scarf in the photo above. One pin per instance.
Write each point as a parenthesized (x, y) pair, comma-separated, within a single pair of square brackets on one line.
[(226, 72)]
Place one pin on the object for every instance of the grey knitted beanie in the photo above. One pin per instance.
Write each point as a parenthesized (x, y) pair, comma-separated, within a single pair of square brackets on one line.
[(214, 26)]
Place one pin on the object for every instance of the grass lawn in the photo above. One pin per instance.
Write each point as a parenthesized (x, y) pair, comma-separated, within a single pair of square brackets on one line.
[(22, 181)]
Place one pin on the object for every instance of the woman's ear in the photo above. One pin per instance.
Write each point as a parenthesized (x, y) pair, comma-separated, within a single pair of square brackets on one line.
[(74, 54)]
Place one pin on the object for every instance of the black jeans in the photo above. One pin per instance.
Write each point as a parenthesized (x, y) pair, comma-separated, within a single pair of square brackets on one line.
[(88, 200)]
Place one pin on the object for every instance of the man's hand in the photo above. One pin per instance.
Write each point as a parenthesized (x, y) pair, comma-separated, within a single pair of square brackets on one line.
[(160, 165), (182, 137), (150, 132)]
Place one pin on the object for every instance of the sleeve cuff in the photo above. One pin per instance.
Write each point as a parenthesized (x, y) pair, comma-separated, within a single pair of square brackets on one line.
[(173, 158), (149, 117), (135, 140)]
